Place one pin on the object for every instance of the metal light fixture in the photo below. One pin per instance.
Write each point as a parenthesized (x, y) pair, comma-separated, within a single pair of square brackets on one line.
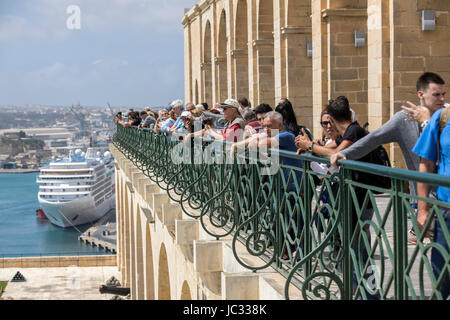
[(360, 39), (428, 20), (309, 50)]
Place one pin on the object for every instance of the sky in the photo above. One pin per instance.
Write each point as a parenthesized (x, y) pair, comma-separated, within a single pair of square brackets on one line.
[(122, 52)]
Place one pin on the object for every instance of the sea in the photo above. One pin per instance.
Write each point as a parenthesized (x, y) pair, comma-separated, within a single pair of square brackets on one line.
[(22, 234)]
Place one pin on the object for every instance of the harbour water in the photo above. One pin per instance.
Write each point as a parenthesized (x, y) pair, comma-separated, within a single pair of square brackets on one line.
[(22, 234)]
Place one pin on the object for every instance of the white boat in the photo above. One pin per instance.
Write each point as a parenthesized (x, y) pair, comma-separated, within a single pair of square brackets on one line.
[(77, 190)]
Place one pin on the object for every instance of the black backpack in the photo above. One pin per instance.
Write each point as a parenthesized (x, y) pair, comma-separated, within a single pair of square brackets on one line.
[(378, 156)]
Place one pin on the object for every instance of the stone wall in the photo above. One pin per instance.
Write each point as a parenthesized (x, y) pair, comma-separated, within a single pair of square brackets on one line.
[(59, 262), (259, 51)]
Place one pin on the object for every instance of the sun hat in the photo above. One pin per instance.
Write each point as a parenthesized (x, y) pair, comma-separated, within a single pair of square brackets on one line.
[(230, 103)]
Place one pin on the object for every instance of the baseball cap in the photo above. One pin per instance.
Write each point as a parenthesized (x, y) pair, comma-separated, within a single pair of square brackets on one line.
[(185, 114), (230, 103)]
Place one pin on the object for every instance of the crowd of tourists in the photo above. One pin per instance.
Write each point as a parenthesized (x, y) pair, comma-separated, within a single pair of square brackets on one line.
[(421, 130)]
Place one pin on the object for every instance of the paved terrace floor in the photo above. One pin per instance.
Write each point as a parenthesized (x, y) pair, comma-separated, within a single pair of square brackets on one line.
[(72, 283)]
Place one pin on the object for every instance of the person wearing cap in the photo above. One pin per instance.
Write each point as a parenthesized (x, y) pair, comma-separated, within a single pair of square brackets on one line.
[(234, 128), (147, 120), (179, 122), (163, 115), (187, 121), (177, 109)]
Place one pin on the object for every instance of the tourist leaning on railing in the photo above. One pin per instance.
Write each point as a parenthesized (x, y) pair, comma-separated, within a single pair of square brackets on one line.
[(430, 91), (176, 108), (234, 129), (147, 120), (290, 120), (434, 147), (134, 120), (276, 138), (350, 132)]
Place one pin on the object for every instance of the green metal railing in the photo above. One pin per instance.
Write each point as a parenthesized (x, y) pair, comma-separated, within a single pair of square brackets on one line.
[(315, 229)]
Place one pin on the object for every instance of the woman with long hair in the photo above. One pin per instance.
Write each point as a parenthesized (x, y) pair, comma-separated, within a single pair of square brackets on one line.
[(289, 119)]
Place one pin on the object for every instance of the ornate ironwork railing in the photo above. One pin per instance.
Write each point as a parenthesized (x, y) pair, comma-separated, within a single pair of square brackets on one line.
[(330, 236)]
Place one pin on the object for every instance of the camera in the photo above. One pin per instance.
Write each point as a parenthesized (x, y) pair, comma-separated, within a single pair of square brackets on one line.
[(207, 122)]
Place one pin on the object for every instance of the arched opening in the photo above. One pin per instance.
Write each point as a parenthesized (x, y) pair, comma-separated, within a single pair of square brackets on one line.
[(140, 280), (149, 274), (240, 54), (185, 292), (221, 60), (163, 275), (207, 66), (265, 53)]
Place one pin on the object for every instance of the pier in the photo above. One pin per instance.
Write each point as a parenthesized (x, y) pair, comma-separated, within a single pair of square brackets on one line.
[(103, 234)]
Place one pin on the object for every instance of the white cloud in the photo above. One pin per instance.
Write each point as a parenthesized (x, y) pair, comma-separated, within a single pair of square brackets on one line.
[(47, 18), (14, 27)]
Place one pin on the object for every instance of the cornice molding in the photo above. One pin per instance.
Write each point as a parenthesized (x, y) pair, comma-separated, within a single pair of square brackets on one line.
[(343, 12)]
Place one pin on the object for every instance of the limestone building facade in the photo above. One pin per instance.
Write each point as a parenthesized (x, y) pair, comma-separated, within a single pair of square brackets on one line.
[(311, 51)]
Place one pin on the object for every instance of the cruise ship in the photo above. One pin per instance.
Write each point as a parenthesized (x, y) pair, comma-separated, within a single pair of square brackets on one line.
[(77, 190)]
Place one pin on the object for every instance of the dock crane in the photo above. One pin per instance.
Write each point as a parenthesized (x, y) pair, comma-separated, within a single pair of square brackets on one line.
[(84, 127)]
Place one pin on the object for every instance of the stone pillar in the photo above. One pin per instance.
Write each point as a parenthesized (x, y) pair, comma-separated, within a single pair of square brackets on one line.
[(378, 63), (253, 93), (265, 83), (296, 35), (221, 79), (319, 63), (214, 46), (187, 59), (207, 83), (240, 62), (347, 64), (279, 22), (231, 68), (263, 48)]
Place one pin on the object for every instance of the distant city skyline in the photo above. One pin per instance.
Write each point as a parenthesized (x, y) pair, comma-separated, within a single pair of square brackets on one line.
[(122, 52)]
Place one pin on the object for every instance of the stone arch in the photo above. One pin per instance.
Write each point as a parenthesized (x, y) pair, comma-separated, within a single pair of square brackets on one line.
[(163, 275), (185, 292), (298, 64), (221, 59), (240, 54), (265, 53), (140, 280), (206, 65), (149, 272)]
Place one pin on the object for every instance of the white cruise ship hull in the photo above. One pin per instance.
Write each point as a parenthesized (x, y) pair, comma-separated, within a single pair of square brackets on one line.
[(76, 212)]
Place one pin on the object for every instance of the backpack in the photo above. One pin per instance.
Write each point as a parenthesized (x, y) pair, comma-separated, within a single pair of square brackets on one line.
[(380, 157)]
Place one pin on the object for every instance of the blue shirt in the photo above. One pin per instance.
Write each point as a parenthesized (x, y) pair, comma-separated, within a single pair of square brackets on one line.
[(286, 142), (427, 147), (167, 124), (178, 124)]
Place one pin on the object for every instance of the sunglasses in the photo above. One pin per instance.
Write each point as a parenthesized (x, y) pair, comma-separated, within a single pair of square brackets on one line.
[(326, 123)]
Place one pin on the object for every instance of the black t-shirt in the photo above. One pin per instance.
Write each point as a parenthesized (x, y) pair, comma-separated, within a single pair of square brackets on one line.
[(354, 133), (136, 122)]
